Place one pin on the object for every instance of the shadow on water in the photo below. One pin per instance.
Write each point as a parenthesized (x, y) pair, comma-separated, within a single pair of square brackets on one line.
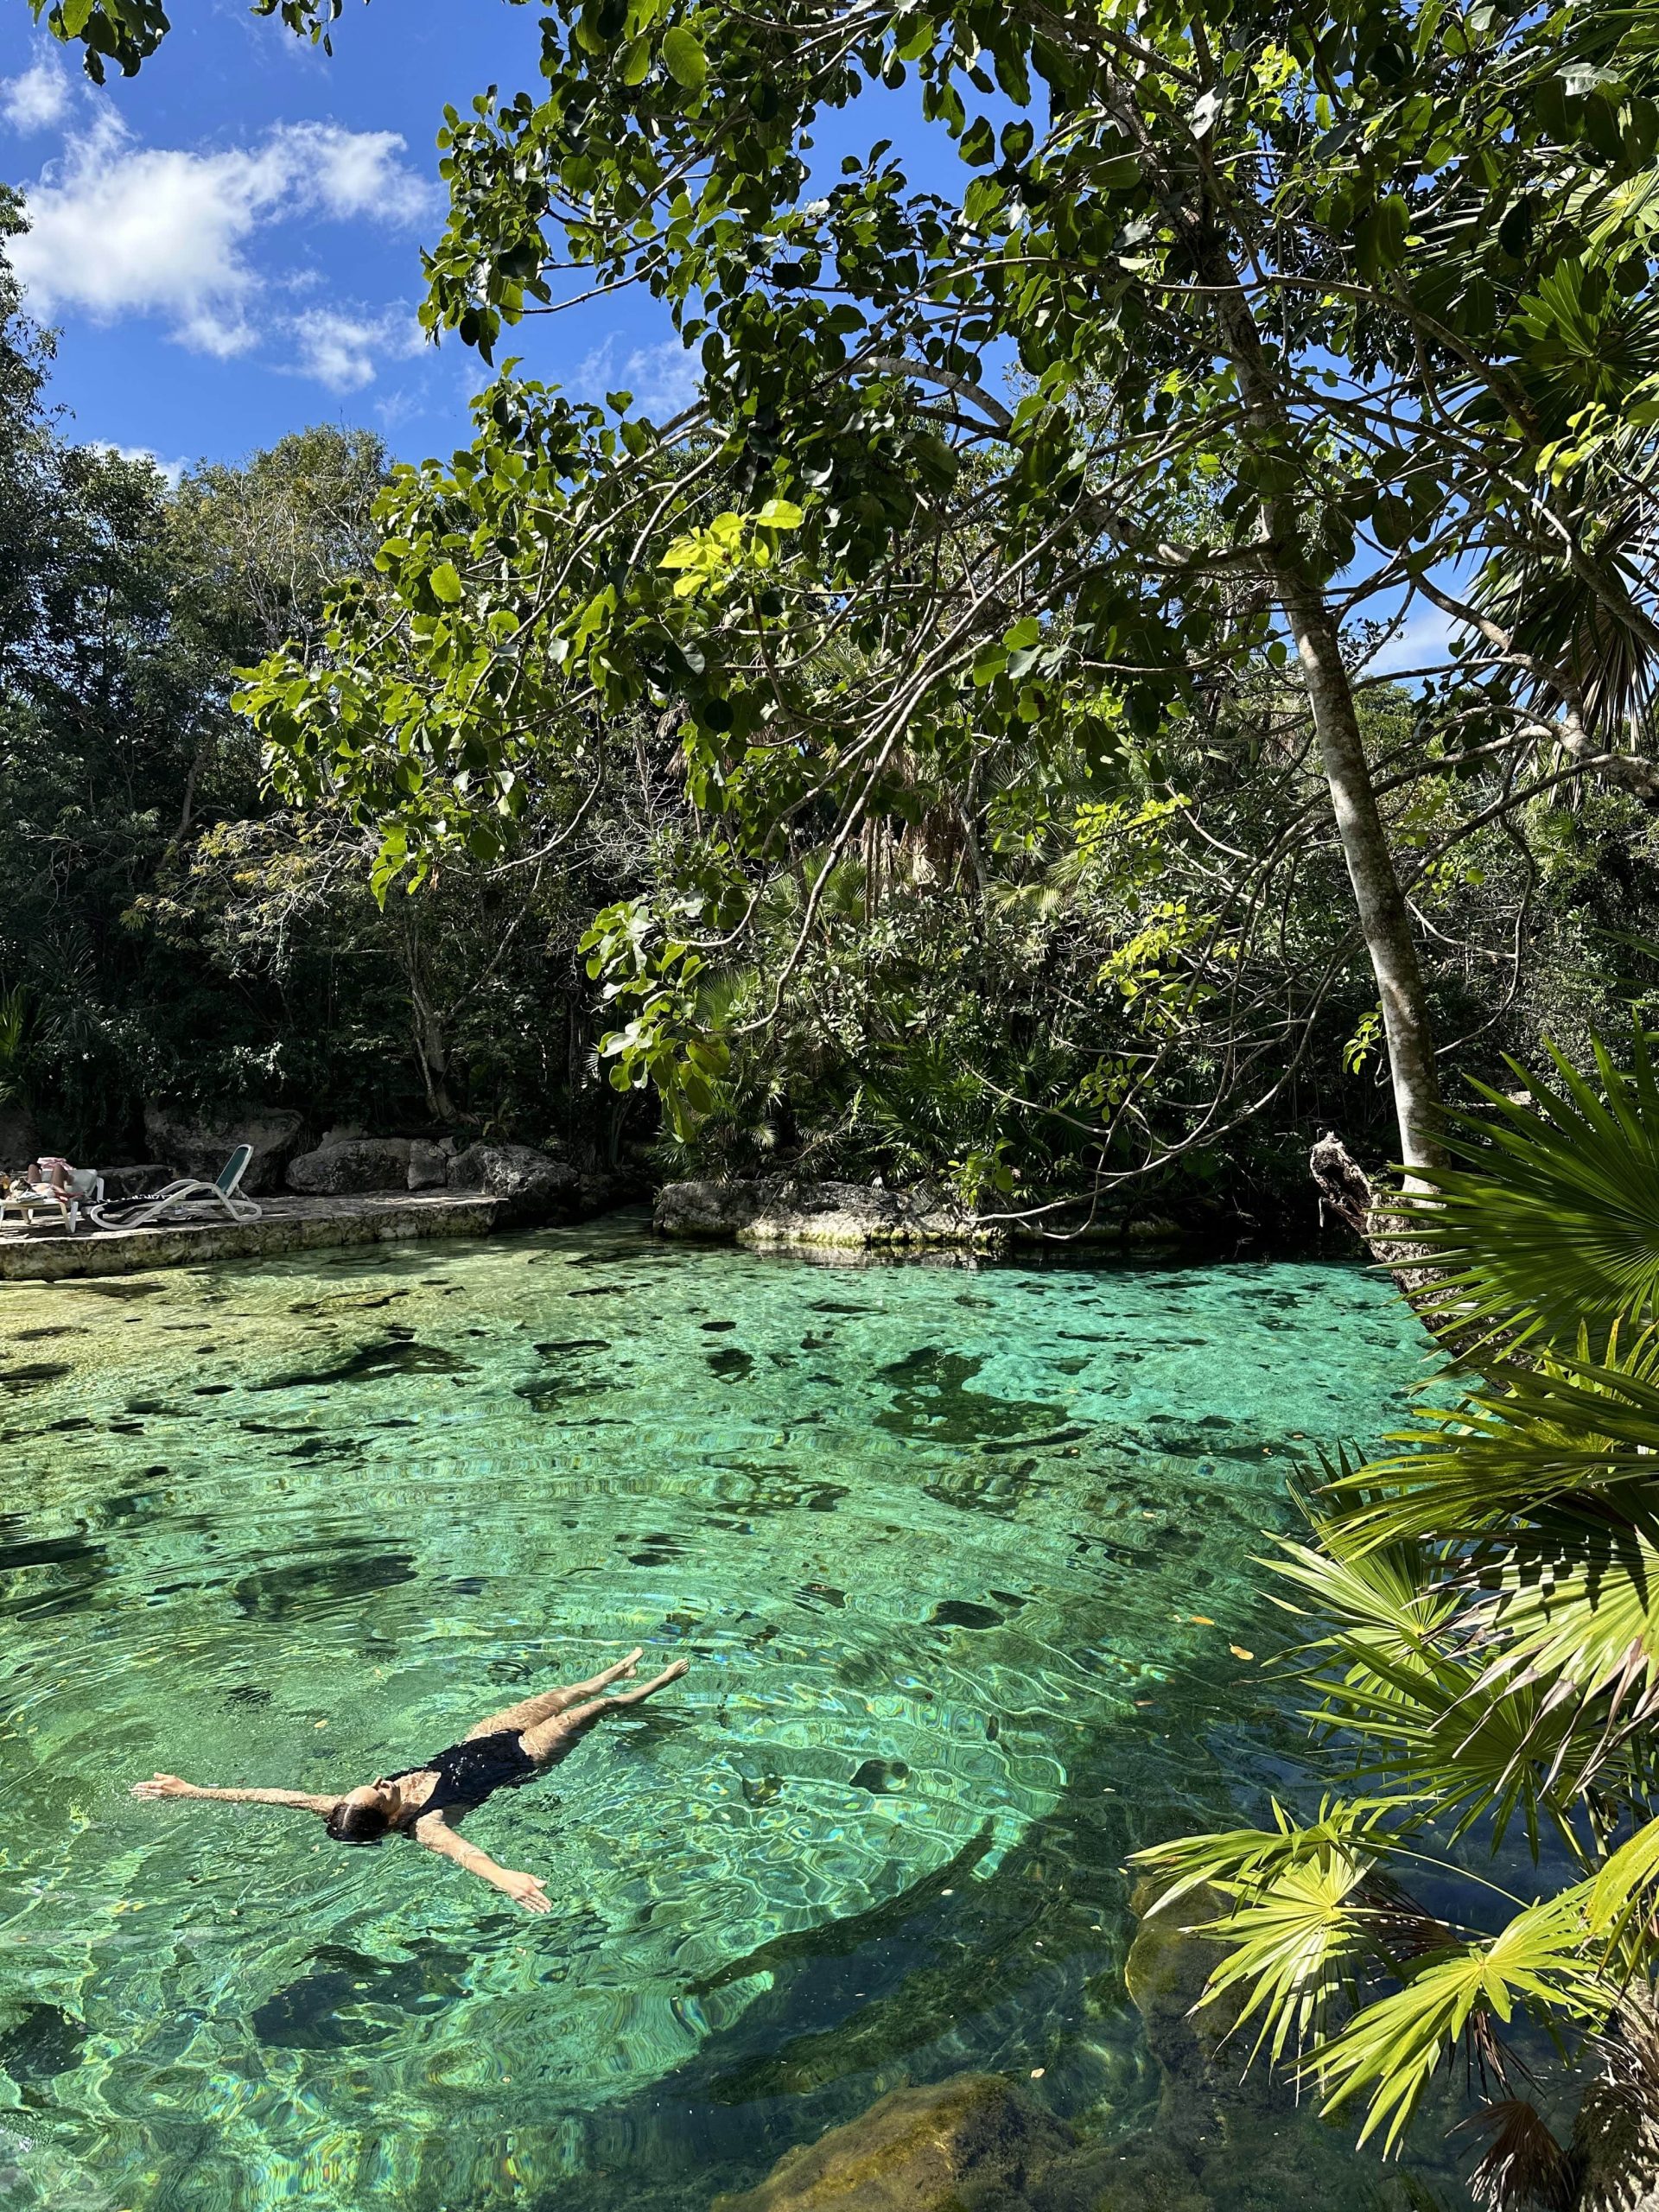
[(348, 1999), (977, 1967), (397, 1354), (931, 1402)]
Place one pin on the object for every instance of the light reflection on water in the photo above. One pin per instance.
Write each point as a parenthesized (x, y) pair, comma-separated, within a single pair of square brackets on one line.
[(957, 1555)]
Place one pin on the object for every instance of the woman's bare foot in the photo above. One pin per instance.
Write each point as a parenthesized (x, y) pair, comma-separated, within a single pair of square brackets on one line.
[(670, 1674)]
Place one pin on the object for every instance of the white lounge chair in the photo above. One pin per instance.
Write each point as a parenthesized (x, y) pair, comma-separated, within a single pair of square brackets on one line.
[(26, 1203), (188, 1200)]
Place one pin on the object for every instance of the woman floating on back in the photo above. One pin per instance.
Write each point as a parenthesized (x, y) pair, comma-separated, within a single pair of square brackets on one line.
[(430, 1800)]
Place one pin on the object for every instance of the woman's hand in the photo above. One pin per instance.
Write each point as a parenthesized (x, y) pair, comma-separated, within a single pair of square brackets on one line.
[(527, 1890), (164, 1785)]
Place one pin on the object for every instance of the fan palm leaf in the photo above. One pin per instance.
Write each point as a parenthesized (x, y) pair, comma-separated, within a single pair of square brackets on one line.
[(1401, 1681), (1530, 1439), (1393, 2046), (1552, 1220), (1296, 1947)]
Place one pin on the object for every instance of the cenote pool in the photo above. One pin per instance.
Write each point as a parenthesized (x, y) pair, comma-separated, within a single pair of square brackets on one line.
[(961, 1557)]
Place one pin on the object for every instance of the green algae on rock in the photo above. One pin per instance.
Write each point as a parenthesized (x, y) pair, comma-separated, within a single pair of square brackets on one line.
[(967, 2145)]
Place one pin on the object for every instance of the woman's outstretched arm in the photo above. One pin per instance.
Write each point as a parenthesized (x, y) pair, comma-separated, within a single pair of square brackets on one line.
[(172, 1785), (435, 1832)]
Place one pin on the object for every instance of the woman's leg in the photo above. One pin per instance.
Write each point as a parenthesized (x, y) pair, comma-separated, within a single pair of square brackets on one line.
[(532, 1711), (549, 1740)]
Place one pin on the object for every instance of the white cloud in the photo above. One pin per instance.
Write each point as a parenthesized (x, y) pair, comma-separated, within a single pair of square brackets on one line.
[(342, 349), (663, 379), (173, 470), (117, 228), (1423, 641), (38, 98)]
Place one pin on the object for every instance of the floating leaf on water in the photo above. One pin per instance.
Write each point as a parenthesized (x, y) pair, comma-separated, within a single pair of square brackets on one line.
[(1239, 1652)]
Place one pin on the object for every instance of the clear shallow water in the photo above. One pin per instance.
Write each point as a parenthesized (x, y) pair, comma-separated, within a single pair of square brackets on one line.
[(957, 1555)]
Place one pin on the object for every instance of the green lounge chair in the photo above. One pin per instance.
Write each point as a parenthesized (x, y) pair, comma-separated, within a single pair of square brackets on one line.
[(188, 1200)]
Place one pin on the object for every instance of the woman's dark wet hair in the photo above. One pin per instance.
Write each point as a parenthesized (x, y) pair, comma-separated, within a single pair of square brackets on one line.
[(350, 1823)]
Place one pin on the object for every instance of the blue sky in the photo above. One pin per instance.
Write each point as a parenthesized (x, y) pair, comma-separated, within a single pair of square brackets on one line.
[(229, 244)]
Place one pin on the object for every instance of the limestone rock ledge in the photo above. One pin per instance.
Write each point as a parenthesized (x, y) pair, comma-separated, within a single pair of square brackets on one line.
[(286, 1226), (784, 1212)]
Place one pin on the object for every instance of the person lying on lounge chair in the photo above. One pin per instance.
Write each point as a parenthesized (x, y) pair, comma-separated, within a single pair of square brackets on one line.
[(428, 1802)]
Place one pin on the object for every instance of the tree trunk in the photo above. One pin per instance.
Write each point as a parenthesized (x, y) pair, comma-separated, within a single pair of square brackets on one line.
[(426, 1023), (1384, 923), (433, 1054), (1383, 920)]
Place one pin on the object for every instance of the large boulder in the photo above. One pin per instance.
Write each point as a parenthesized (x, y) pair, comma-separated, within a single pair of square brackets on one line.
[(972, 2144), (827, 1213), (705, 1209), (200, 1143), (532, 1187), (429, 1163), (351, 1165)]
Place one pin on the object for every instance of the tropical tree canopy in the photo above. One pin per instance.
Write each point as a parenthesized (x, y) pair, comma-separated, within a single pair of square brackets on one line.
[(1310, 325)]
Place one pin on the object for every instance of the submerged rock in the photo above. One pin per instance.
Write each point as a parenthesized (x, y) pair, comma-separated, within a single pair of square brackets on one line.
[(38, 2041), (1168, 1964), (972, 2144), (200, 1143), (533, 1187), (348, 1165), (1141, 2175)]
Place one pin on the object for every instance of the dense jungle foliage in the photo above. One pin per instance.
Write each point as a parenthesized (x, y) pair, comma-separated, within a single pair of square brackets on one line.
[(1027, 936)]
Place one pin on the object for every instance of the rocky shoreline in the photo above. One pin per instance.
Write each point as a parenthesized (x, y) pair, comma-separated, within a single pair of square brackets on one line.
[(784, 1211)]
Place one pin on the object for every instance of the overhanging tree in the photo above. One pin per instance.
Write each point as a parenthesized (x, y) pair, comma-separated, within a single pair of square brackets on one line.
[(1311, 319)]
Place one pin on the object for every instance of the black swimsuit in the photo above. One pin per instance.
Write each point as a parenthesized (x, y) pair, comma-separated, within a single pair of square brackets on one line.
[(468, 1773)]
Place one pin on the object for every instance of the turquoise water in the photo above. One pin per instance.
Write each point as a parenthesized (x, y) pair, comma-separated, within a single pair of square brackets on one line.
[(961, 1557)]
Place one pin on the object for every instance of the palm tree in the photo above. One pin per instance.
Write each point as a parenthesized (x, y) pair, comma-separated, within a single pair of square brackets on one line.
[(1486, 1666)]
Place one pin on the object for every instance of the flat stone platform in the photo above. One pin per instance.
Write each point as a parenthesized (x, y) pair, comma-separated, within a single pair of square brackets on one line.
[(287, 1224)]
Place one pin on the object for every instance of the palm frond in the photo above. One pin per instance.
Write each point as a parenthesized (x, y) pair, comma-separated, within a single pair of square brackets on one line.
[(1401, 1683), (1392, 2048), (1596, 633), (1575, 1613), (1296, 1947), (1523, 2164), (1551, 1218), (1243, 1862), (1567, 1431)]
